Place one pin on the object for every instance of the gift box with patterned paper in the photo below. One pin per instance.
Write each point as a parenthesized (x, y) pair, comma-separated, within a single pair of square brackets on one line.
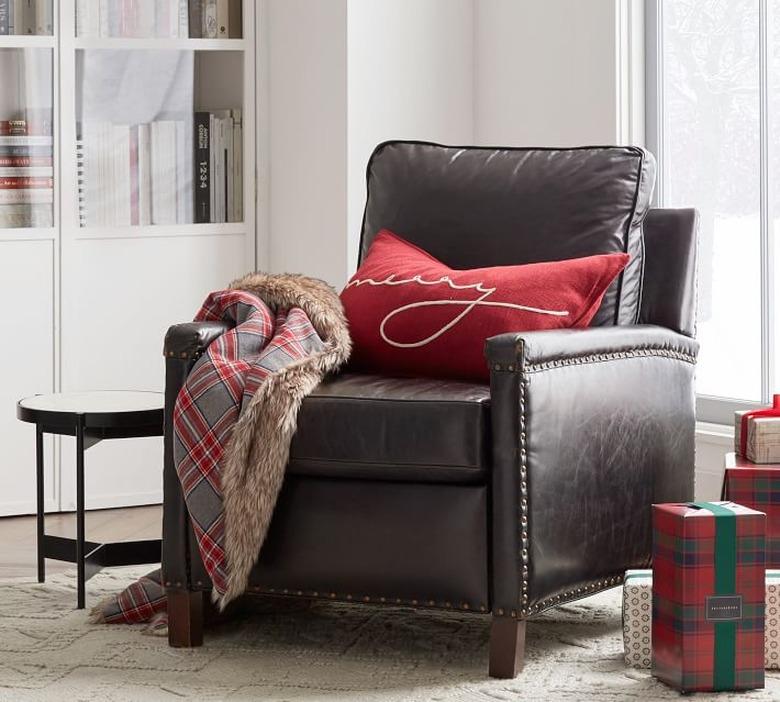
[(757, 487), (638, 612), (708, 596), (757, 433)]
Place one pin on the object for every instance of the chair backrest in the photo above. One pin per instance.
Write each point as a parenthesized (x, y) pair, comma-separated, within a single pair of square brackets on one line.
[(476, 206)]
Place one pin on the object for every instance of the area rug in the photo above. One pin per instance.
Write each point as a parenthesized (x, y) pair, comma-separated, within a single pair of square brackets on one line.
[(281, 650)]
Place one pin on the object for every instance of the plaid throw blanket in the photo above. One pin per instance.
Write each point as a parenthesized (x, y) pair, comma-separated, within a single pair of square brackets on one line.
[(233, 421)]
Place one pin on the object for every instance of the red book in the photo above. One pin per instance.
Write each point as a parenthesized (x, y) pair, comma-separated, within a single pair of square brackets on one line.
[(21, 127), (14, 182), (25, 161), (708, 596)]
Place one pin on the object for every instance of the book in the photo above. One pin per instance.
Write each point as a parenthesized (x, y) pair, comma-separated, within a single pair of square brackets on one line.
[(223, 19), (25, 13), (87, 18), (163, 172), (235, 19), (144, 175), (26, 196), (28, 172), (209, 16), (26, 141), (5, 16), (24, 151), (26, 215), (196, 19), (120, 164), (44, 17), (21, 182), (238, 168), (184, 19), (202, 169), (25, 161)]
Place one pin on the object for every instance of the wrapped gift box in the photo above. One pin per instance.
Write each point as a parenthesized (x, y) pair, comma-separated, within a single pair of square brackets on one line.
[(757, 487), (708, 596), (638, 612), (757, 433)]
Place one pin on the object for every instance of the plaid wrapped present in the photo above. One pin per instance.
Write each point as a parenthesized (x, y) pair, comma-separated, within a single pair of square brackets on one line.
[(638, 612), (708, 596), (757, 487), (757, 433)]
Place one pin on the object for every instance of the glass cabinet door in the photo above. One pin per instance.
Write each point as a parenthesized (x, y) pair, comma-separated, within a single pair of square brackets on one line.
[(26, 138)]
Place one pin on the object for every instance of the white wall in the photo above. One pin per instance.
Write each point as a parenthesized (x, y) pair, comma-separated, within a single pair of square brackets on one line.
[(306, 168), (410, 76), (546, 72)]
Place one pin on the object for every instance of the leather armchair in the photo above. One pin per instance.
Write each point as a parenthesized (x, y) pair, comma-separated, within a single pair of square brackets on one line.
[(501, 500)]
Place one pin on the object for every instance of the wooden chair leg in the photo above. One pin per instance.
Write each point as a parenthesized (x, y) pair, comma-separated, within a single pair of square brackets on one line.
[(185, 618), (507, 647)]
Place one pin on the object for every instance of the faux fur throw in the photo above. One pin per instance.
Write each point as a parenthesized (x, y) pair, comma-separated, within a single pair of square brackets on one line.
[(234, 419)]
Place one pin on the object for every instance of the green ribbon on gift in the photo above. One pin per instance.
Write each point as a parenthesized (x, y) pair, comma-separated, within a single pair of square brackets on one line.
[(725, 584)]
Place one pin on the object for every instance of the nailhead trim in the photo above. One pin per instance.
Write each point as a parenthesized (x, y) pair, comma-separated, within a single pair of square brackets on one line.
[(675, 354), (573, 594), (351, 597), (524, 540)]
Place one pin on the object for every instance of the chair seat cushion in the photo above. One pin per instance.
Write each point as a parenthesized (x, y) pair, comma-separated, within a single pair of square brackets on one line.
[(380, 428)]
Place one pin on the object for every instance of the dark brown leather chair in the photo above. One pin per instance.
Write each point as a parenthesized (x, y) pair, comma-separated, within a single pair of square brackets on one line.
[(501, 500)]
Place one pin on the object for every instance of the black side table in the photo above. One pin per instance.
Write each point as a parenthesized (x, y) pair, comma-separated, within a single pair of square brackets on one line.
[(91, 417)]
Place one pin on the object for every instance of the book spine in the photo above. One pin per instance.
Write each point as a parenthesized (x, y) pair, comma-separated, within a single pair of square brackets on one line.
[(196, 19), (26, 141), (184, 19), (201, 158), (235, 19), (43, 19), (5, 16), (238, 167), (26, 172), (223, 19), (26, 215), (212, 167), (230, 201), (183, 175), (105, 16), (209, 19), (134, 210), (28, 17), (22, 182), (25, 161), (144, 175), (15, 196), (87, 18)]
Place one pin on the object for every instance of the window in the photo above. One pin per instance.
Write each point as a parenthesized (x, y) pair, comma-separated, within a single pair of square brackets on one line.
[(713, 121)]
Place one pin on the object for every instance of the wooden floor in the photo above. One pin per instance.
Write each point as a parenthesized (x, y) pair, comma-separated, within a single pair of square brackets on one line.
[(18, 541)]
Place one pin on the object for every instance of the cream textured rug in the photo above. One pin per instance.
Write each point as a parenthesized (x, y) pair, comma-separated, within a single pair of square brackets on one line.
[(275, 650)]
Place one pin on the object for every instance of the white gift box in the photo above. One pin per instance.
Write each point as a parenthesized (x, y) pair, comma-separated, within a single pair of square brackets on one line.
[(638, 613), (763, 438)]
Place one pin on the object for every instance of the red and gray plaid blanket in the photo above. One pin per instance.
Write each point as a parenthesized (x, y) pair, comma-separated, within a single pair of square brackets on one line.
[(222, 385)]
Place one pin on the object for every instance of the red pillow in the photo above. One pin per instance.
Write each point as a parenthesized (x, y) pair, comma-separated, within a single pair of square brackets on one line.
[(409, 313)]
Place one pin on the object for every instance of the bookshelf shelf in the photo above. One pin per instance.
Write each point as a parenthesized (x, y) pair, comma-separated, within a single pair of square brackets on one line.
[(156, 44), (28, 234), (24, 41), (158, 231)]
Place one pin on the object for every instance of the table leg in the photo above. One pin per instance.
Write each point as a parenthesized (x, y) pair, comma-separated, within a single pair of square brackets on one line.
[(39, 500), (80, 513)]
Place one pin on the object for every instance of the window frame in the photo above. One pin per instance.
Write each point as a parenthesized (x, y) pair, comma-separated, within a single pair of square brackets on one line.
[(720, 410)]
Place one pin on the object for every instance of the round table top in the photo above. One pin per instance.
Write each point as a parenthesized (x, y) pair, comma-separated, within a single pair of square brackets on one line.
[(101, 408)]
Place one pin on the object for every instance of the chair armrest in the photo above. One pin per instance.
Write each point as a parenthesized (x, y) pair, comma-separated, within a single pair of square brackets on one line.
[(184, 344), (590, 427), (566, 345), (190, 339)]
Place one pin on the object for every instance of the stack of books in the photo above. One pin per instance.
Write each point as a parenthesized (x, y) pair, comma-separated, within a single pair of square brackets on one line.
[(26, 17), (134, 174), (208, 19), (26, 173), (219, 180)]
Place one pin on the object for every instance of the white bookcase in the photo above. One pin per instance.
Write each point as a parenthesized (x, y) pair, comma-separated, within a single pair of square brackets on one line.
[(87, 305)]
